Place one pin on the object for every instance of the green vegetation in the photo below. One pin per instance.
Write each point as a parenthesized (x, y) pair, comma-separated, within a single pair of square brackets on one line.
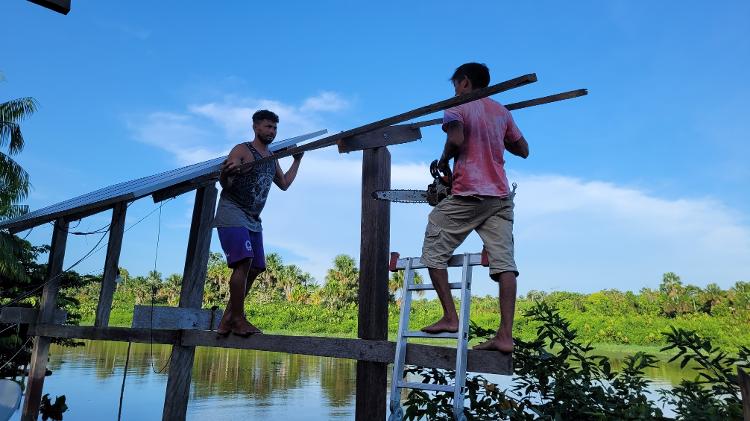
[(284, 299), (557, 376)]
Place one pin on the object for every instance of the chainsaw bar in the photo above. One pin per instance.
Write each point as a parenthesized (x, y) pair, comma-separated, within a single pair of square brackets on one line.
[(401, 196)]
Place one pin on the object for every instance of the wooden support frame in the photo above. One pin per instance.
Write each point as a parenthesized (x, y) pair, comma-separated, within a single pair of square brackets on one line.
[(191, 296), (27, 315), (376, 351), (111, 265), (392, 135), (177, 318), (372, 377), (400, 118), (47, 309)]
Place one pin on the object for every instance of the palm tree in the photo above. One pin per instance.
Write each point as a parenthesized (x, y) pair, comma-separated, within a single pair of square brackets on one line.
[(396, 284), (14, 180)]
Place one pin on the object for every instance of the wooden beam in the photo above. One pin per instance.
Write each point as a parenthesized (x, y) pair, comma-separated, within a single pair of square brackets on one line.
[(111, 265), (27, 315), (354, 349), (392, 135), (400, 118), (744, 379), (175, 318), (518, 105), (191, 296), (372, 377), (59, 6), (78, 214), (38, 369), (120, 334), (184, 187)]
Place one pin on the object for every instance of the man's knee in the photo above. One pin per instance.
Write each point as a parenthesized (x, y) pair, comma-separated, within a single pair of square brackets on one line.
[(507, 276)]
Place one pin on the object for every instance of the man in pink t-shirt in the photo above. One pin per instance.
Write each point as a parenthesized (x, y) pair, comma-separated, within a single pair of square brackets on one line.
[(479, 133)]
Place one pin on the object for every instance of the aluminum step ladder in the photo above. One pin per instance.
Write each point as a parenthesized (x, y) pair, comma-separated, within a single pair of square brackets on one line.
[(466, 261)]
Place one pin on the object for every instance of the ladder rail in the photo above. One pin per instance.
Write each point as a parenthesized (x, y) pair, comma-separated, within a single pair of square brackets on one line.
[(403, 326), (463, 341)]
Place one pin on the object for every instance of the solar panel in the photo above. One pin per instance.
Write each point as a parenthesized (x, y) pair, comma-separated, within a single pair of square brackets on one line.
[(127, 191)]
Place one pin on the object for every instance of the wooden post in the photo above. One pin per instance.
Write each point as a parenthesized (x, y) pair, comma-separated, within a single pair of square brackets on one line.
[(38, 369), (111, 265), (191, 296), (373, 282), (744, 380)]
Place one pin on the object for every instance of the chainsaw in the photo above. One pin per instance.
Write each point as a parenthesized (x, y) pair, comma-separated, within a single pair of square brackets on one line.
[(439, 189)]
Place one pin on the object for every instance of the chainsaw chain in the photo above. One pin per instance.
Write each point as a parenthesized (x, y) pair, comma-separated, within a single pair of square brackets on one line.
[(401, 201)]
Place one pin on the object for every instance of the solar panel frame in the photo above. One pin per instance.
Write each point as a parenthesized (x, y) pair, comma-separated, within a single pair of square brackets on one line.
[(128, 191)]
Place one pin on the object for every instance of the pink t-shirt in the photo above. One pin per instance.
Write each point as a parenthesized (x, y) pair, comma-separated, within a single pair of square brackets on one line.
[(479, 168)]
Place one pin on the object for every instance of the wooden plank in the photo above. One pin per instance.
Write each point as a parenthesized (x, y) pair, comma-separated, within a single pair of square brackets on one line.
[(26, 315), (111, 265), (175, 318), (353, 349), (67, 214), (392, 135), (400, 118), (59, 6), (372, 383), (38, 369), (184, 187), (518, 105), (119, 334), (191, 296), (744, 380)]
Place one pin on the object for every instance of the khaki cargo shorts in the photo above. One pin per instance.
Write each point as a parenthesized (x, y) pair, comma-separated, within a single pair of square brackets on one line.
[(453, 219)]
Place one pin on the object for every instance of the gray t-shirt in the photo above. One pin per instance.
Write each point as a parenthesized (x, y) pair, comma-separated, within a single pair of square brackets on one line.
[(240, 204)]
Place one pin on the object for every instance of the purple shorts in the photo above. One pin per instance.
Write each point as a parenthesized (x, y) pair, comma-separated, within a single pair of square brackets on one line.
[(240, 243)]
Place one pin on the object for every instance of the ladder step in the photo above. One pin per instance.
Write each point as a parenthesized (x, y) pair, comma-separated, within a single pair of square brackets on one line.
[(422, 287), (426, 386), (418, 334)]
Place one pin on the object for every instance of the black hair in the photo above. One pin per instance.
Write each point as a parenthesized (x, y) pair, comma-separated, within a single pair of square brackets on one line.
[(478, 74), (265, 115)]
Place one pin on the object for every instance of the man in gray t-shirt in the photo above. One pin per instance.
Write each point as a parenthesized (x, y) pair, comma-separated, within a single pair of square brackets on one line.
[(238, 220)]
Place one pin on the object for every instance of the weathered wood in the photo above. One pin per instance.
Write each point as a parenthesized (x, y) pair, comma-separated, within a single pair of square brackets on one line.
[(120, 334), (175, 318), (374, 256), (38, 369), (184, 187), (59, 6), (392, 135), (744, 379), (191, 296), (26, 315), (400, 118), (378, 351), (518, 105), (354, 349), (111, 264), (69, 215)]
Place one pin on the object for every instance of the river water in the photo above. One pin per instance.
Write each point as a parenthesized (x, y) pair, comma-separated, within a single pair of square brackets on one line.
[(226, 384)]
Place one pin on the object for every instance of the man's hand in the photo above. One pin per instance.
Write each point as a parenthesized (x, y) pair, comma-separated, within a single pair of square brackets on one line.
[(298, 156), (443, 165), (230, 167)]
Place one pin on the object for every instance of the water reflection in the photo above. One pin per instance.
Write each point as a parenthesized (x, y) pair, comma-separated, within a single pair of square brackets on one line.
[(226, 382)]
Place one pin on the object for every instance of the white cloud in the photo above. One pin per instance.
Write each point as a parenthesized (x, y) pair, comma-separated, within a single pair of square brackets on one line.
[(325, 101), (571, 234)]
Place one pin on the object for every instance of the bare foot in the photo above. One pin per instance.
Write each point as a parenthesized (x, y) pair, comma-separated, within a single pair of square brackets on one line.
[(244, 328), (225, 326), (497, 344), (442, 325)]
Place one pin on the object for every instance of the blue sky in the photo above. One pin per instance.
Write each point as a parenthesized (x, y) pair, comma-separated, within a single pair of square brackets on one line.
[(647, 174)]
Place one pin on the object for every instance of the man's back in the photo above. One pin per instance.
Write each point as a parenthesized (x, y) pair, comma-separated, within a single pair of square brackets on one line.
[(479, 167)]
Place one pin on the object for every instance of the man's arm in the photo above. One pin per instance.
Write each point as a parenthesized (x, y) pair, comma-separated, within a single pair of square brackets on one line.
[(231, 166), (518, 148), (284, 180), (455, 132)]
